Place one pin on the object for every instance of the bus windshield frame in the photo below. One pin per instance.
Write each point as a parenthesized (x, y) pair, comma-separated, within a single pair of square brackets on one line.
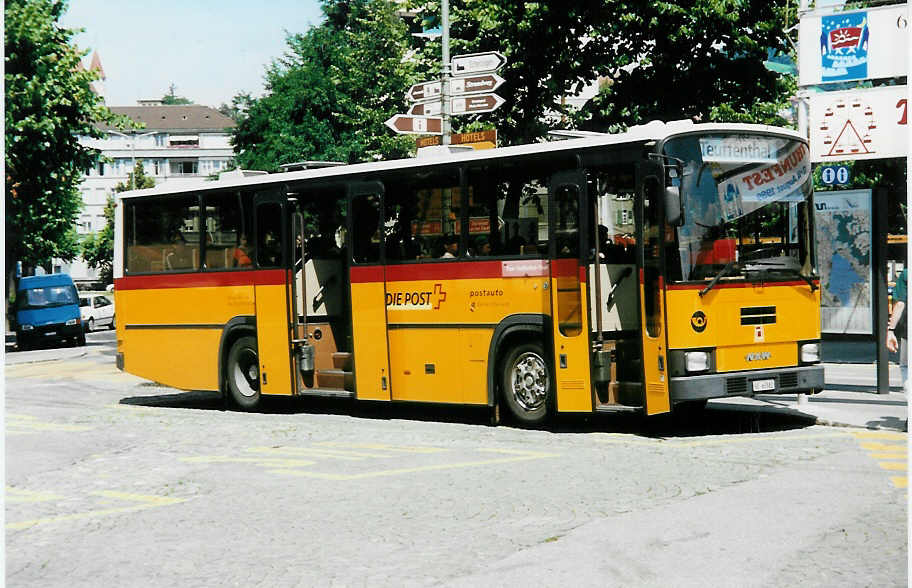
[(747, 209)]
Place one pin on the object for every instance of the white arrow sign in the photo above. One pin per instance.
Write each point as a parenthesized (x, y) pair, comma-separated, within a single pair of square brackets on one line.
[(421, 125), (477, 104), (424, 91), (477, 84), (477, 62)]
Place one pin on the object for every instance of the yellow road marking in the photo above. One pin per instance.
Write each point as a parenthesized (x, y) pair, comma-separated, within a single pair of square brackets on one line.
[(21, 421), (900, 481), (384, 447), (893, 465), (888, 455), (18, 495), (517, 457), (349, 455), (146, 502), (881, 435), (261, 461), (885, 447), (633, 440)]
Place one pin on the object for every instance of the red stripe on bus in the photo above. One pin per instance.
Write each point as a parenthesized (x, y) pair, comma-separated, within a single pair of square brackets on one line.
[(268, 277), (561, 268), (738, 285)]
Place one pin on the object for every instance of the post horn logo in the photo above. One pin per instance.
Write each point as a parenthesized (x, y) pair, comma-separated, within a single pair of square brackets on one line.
[(698, 321)]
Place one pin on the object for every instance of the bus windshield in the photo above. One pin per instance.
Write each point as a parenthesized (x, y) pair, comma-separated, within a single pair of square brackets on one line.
[(746, 203)]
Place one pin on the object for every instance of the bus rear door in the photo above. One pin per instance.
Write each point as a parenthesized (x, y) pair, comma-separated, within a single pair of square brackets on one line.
[(650, 244), (568, 292), (368, 291), (271, 287)]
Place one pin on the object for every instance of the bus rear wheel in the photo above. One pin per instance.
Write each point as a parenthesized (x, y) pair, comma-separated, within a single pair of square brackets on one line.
[(527, 384), (243, 373)]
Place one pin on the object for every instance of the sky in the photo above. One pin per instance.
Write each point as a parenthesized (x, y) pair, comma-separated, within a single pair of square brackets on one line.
[(210, 50)]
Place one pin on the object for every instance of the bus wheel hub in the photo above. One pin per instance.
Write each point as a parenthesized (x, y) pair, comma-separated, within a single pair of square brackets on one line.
[(530, 387)]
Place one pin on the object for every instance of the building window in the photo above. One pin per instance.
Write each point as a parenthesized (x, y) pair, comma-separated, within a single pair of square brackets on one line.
[(184, 168), (160, 139), (184, 141)]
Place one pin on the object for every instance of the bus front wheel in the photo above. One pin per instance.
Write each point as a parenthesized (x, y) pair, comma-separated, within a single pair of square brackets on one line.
[(243, 373), (527, 384)]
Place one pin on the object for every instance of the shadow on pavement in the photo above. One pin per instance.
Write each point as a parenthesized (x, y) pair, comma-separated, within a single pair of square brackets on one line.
[(888, 422), (714, 421)]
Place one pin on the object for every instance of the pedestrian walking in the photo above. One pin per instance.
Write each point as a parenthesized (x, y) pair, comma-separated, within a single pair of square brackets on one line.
[(897, 326)]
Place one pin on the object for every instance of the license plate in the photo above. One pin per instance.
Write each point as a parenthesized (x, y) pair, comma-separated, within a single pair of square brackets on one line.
[(763, 385)]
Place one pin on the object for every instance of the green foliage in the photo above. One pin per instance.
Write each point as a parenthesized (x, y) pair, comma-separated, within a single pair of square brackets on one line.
[(49, 104), (696, 59), (329, 95), (141, 179), (171, 98), (98, 248)]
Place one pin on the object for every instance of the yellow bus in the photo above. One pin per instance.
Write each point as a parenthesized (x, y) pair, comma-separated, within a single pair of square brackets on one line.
[(642, 271)]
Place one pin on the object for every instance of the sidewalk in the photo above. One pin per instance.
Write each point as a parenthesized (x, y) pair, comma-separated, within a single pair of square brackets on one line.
[(850, 399)]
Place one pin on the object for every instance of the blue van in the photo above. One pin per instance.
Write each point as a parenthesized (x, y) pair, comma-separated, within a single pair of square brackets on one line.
[(47, 309)]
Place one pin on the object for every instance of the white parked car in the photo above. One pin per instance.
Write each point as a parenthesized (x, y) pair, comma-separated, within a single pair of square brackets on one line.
[(96, 310)]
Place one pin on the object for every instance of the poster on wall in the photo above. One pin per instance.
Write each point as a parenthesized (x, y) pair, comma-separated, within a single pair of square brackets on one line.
[(857, 45), (843, 223)]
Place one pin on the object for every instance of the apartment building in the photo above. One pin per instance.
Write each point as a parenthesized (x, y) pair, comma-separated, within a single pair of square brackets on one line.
[(179, 144)]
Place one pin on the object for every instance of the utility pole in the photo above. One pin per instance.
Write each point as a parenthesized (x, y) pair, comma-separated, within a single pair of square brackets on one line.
[(445, 72)]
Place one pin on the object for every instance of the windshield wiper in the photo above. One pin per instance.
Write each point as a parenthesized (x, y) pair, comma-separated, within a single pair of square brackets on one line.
[(780, 264), (717, 277)]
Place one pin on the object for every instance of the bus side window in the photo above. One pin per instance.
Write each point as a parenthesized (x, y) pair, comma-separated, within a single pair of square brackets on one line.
[(269, 234), (365, 237), (163, 235), (510, 208)]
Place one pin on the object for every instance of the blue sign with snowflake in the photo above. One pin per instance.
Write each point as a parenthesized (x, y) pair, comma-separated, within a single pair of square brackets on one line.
[(844, 47)]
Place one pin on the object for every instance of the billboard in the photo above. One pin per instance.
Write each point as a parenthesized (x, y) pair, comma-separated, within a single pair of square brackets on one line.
[(858, 45), (867, 123), (842, 220)]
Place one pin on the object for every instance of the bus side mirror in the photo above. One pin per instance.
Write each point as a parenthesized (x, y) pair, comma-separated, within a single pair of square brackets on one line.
[(674, 213)]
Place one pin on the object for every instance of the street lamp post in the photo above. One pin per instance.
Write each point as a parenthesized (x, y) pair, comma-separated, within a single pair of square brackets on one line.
[(134, 136)]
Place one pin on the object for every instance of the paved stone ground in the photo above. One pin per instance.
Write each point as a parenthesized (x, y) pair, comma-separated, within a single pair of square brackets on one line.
[(112, 481)]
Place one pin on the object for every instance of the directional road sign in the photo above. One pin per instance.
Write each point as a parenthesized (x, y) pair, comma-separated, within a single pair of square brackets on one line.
[(476, 104), (477, 62), (475, 84), (425, 108), (420, 125), (424, 91)]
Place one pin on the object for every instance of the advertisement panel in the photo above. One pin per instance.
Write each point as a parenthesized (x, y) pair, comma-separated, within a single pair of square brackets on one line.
[(843, 223), (859, 45), (868, 123)]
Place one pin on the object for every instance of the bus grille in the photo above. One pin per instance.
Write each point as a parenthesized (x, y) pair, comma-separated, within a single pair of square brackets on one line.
[(735, 386), (788, 380)]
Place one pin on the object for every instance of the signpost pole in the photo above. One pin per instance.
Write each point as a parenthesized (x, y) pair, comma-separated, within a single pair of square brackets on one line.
[(445, 72)]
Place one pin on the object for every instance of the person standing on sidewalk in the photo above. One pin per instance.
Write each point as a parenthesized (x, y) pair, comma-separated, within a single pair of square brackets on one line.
[(897, 326)]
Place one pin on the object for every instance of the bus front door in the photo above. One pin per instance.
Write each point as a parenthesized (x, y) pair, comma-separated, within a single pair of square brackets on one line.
[(568, 293), (650, 244), (368, 291), (271, 294)]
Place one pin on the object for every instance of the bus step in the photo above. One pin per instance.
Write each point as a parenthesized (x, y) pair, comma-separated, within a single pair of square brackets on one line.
[(328, 393), (338, 379), (342, 361), (616, 408)]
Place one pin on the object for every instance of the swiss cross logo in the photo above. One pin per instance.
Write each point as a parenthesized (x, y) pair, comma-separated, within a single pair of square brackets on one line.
[(440, 294)]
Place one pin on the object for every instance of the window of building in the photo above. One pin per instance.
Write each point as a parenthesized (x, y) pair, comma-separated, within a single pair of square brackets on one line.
[(184, 168), (160, 139), (184, 141)]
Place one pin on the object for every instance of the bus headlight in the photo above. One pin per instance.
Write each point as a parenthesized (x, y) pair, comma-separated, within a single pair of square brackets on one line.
[(696, 361), (27, 327), (810, 353)]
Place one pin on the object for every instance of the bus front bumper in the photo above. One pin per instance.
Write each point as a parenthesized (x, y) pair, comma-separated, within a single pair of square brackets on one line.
[(789, 380)]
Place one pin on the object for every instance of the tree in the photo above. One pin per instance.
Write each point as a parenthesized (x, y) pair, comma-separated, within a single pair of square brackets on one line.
[(171, 98), (49, 105), (98, 248), (682, 60), (653, 60), (328, 96)]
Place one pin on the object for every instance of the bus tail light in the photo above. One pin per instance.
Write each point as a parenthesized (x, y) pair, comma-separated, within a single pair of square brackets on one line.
[(810, 353)]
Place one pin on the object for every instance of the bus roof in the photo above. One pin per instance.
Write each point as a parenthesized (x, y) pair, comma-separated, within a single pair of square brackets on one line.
[(653, 131)]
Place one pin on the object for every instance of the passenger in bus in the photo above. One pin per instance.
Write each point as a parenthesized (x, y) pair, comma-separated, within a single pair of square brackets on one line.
[(242, 253), (450, 246), (482, 246)]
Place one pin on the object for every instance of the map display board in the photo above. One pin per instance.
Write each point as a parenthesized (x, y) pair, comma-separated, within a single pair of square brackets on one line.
[(843, 224)]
